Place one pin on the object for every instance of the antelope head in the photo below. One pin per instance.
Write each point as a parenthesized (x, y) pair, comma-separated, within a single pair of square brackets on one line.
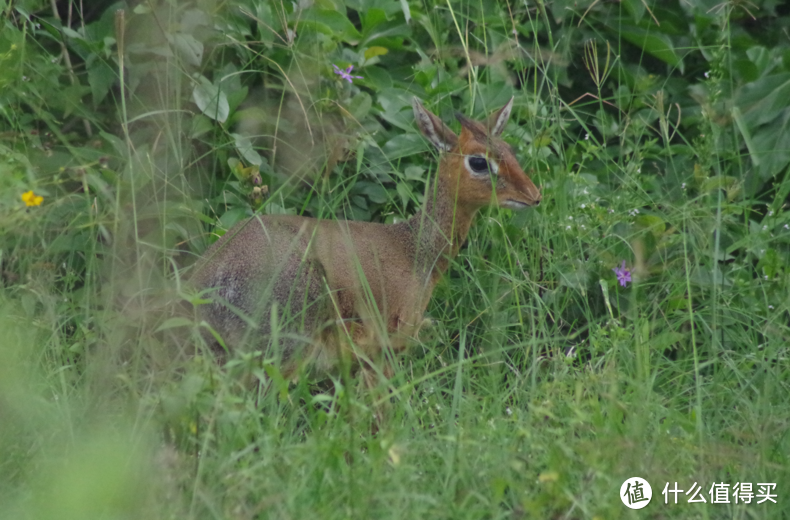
[(478, 165)]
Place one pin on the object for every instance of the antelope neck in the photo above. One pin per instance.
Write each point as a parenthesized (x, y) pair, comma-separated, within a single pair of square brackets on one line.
[(441, 226)]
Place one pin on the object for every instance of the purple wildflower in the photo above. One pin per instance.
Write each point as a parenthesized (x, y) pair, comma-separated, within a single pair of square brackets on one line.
[(623, 274), (346, 74)]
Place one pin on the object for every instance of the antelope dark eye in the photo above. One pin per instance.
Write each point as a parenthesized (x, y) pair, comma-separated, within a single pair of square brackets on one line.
[(479, 164)]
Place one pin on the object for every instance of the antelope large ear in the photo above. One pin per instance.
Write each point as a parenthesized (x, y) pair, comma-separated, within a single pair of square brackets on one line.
[(433, 128), (498, 120)]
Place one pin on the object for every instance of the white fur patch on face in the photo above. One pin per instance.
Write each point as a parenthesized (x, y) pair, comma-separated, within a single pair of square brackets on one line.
[(480, 166), (513, 204)]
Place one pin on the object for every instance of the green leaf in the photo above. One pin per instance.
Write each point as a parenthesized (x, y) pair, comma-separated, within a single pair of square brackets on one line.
[(359, 201), (771, 145), (403, 146), (374, 192), (192, 19), (235, 98), (71, 33), (746, 71), (655, 44), (372, 18), (653, 223), (667, 339), (562, 8), (279, 381), (250, 115), (760, 57), (763, 100), (635, 7), (100, 78), (414, 173), (118, 145), (360, 105), (233, 216), (378, 77), (244, 146), (263, 13), (211, 100), (386, 35), (372, 52), (404, 190), (719, 182), (190, 50), (404, 4), (71, 243), (201, 125), (175, 322), (340, 26), (747, 137), (573, 274)]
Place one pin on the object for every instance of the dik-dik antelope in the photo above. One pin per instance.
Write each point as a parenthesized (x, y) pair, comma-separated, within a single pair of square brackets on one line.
[(326, 290)]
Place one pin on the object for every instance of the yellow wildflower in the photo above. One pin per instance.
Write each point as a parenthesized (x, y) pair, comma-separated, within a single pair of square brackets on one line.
[(31, 199)]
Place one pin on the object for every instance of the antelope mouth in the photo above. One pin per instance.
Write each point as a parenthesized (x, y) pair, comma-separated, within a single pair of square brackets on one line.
[(515, 204)]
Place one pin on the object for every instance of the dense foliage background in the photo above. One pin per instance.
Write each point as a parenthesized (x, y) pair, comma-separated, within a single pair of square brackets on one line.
[(658, 132)]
